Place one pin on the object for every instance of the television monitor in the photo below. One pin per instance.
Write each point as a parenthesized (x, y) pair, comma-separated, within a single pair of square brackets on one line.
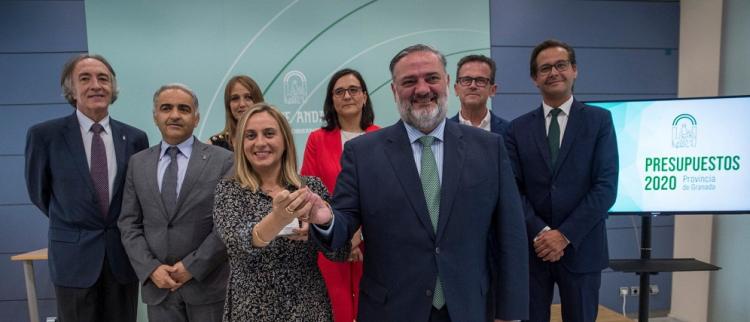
[(682, 156)]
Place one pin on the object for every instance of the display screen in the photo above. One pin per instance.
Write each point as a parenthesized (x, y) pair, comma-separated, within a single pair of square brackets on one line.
[(682, 156)]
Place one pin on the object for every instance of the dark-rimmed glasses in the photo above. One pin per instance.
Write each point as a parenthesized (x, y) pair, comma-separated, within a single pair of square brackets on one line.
[(561, 66), (353, 91), (479, 81)]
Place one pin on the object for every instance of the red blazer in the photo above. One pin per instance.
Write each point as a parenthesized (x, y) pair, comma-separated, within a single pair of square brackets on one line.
[(322, 155)]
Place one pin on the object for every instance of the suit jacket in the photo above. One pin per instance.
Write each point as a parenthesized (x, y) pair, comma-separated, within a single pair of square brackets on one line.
[(60, 185), (379, 188), (152, 237), (323, 155), (497, 124), (576, 194)]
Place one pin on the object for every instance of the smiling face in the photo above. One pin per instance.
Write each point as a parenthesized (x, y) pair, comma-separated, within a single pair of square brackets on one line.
[(263, 144), (240, 100), (556, 86), (176, 115), (92, 88), (348, 106), (420, 87), (473, 96)]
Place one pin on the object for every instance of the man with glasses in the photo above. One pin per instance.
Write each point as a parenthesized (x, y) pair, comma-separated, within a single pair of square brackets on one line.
[(475, 83), (564, 155)]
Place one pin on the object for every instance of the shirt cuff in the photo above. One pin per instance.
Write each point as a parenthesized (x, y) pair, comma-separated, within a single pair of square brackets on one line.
[(325, 231)]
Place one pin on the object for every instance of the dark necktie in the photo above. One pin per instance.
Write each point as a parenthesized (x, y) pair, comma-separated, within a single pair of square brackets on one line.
[(169, 182), (99, 170), (431, 188), (553, 137)]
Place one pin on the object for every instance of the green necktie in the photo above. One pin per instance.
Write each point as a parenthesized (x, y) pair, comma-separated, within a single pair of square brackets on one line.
[(553, 137), (431, 187)]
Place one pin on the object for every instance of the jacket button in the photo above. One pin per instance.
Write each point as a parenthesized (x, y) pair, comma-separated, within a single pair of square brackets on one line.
[(428, 292), (437, 250)]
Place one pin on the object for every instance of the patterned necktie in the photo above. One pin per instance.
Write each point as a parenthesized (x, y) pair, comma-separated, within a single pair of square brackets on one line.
[(99, 170), (169, 182), (553, 137), (431, 188)]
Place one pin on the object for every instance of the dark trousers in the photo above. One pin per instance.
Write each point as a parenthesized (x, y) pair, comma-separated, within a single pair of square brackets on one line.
[(579, 293), (440, 315), (175, 309), (106, 300)]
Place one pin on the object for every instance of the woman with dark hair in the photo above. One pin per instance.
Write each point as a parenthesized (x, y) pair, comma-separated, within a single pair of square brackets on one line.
[(348, 113), (240, 93)]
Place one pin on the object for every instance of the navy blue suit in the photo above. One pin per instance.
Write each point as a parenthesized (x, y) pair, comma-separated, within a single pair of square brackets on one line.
[(379, 188), (60, 185), (573, 197), (497, 124)]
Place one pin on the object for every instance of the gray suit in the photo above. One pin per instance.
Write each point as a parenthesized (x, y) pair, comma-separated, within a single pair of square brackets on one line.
[(152, 238)]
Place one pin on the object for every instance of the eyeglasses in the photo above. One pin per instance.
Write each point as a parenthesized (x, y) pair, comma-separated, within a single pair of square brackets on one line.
[(561, 66), (353, 91), (466, 81)]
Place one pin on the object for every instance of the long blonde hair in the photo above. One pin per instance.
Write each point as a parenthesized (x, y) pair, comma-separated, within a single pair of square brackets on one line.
[(230, 124), (244, 172)]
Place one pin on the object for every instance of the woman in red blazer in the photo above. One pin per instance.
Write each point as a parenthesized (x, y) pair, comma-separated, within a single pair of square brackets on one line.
[(348, 114)]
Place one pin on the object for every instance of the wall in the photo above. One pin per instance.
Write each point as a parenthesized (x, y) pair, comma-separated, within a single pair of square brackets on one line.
[(728, 298), (625, 50), (36, 38)]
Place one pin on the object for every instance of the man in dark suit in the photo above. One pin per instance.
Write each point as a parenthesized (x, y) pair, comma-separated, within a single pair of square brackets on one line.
[(75, 170), (564, 155), (475, 84), (167, 222), (430, 197)]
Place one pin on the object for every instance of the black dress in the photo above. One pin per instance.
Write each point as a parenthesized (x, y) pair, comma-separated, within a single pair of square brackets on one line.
[(221, 140)]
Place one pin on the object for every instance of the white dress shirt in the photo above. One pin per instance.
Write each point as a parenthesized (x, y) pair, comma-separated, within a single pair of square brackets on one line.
[(562, 118)]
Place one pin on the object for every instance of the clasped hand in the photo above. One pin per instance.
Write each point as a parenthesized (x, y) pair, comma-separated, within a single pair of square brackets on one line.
[(170, 276), (298, 204)]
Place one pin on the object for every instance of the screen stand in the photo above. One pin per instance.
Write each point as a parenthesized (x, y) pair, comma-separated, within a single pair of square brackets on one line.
[(645, 266)]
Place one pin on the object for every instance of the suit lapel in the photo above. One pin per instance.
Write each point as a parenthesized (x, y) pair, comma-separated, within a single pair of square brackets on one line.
[(120, 141), (399, 153), (453, 159), (198, 160), (72, 134), (572, 128), (152, 164)]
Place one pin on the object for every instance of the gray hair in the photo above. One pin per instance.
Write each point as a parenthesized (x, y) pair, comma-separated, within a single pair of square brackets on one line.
[(416, 48), (181, 87), (66, 78)]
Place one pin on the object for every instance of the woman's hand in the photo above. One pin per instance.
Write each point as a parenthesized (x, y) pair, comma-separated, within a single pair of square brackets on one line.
[(289, 205), (319, 213)]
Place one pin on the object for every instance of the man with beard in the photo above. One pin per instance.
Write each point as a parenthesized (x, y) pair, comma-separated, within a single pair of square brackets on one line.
[(431, 196), (564, 155)]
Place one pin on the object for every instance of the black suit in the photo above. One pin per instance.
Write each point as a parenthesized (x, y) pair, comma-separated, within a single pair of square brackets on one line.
[(60, 185), (572, 197), (379, 187)]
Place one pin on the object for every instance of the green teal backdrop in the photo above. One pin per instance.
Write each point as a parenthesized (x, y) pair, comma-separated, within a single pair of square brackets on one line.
[(290, 48)]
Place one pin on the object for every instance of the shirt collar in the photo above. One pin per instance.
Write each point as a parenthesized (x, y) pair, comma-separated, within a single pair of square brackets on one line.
[(565, 107), (186, 147), (86, 122), (482, 124), (415, 134)]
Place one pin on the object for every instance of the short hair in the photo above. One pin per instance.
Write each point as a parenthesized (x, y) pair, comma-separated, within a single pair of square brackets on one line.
[(329, 111), (243, 170), (230, 124), (416, 48), (178, 86), (550, 43), (479, 59), (66, 78)]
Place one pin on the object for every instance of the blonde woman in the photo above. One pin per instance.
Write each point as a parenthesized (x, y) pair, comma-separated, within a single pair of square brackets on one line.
[(273, 277)]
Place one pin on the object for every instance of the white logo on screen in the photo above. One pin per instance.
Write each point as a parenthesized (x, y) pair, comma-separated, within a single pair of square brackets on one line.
[(684, 131), (295, 87)]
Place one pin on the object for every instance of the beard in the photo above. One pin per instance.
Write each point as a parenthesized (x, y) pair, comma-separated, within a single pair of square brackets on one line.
[(426, 119)]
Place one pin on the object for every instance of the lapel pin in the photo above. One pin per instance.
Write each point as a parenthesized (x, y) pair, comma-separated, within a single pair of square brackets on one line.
[(123, 138)]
